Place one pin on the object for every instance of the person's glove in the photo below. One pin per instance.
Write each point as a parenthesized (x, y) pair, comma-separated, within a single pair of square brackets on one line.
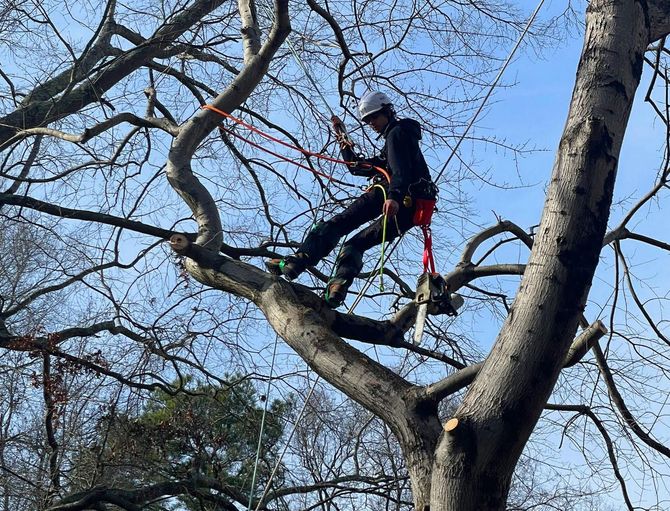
[(341, 132)]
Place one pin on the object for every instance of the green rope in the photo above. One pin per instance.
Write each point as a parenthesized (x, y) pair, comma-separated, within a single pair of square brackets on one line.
[(369, 281), (262, 428)]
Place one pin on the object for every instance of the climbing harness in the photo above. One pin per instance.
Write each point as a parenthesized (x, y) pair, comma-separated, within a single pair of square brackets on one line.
[(341, 130)]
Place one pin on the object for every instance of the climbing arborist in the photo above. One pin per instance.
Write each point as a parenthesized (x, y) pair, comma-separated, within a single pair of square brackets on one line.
[(410, 184)]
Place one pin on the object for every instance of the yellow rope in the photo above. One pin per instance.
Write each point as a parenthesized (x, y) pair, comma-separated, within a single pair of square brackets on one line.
[(381, 258)]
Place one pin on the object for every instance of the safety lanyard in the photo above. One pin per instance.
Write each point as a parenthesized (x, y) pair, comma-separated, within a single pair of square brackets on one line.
[(428, 259)]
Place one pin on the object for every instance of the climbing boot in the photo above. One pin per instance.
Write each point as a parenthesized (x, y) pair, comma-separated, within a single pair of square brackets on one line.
[(294, 265), (336, 292), (290, 266), (274, 266)]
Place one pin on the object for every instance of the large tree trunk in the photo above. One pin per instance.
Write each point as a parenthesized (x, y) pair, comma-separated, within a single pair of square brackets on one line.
[(474, 464)]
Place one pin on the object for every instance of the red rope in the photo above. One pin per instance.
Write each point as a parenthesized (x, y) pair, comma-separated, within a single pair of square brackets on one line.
[(286, 144), (284, 158), (428, 260)]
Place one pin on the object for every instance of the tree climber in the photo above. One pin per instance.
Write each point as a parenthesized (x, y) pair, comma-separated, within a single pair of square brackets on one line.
[(407, 196)]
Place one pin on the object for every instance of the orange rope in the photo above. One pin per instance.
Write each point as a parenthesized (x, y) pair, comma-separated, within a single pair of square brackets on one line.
[(286, 144), (284, 158)]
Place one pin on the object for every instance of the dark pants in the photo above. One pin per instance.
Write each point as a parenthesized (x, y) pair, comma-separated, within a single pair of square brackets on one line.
[(325, 236)]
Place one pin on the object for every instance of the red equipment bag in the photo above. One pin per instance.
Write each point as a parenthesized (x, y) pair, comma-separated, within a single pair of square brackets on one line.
[(423, 213)]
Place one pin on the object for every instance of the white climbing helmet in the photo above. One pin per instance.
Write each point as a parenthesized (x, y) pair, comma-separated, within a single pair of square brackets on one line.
[(372, 102)]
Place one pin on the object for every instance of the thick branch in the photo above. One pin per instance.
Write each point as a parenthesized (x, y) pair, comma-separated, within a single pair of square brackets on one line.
[(251, 34), (619, 402), (463, 275), (466, 271), (305, 326), (504, 226), (80, 214), (136, 499), (43, 111), (89, 133), (179, 172), (357, 328), (503, 404), (464, 377), (98, 48), (584, 342), (659, 19)]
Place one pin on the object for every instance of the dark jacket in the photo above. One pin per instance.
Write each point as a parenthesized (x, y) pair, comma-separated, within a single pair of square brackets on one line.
[(402, 158)]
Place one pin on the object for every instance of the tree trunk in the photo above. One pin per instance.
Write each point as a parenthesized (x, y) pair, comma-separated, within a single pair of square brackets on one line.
[(474, 464)]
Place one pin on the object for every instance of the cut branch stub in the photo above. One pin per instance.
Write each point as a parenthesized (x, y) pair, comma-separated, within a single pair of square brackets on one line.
[(584, 342), (451, 425), (179, 243)]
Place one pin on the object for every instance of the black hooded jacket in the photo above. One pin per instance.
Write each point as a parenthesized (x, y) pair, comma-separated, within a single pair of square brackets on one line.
[(402, 158)]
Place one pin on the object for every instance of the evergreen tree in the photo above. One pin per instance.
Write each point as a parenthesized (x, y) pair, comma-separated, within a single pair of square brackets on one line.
[(207, 435)]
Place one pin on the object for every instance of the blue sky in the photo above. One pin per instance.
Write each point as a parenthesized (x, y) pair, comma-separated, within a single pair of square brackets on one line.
[(535, 110)]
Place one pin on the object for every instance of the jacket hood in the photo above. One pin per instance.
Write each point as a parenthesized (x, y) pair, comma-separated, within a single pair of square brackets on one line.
[(409, 125)]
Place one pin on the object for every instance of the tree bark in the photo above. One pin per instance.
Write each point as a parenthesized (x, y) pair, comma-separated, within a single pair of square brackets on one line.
[(403, 406), (178, 169), (475, 462)]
